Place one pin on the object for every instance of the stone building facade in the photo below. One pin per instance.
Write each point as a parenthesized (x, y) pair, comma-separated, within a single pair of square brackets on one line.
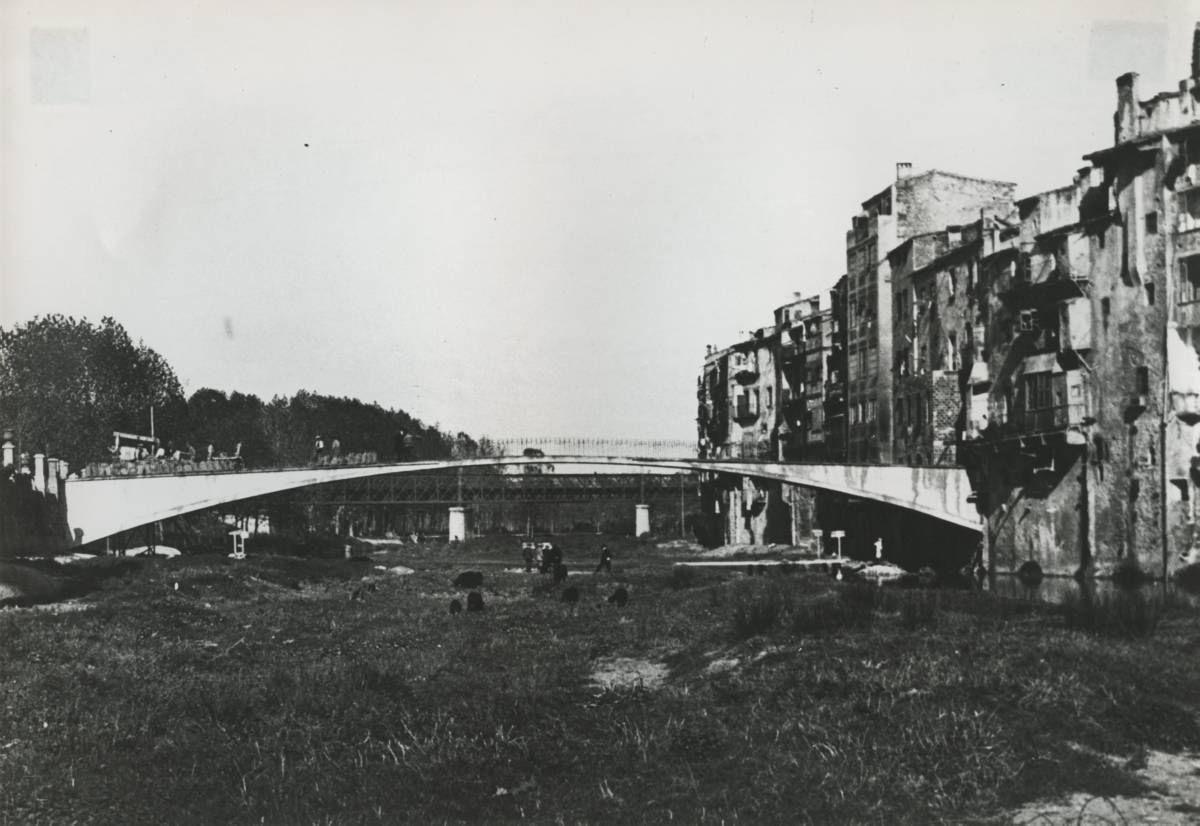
[(808, 373), (1049, 344), (738, 398), (915, 204)]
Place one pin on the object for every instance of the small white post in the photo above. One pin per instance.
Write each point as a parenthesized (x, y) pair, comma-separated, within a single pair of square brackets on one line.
[(52, 477), (9, 448), (39, 472), (458, 524), (239, 544), (641, 520)]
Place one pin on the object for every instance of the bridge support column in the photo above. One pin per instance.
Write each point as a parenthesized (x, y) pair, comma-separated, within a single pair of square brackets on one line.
[(458, 524), (641, 520), (39, 472), (52, 477), (733, 526)]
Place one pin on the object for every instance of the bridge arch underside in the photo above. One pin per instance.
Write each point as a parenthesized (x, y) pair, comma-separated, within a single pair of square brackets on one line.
[(100, 508)]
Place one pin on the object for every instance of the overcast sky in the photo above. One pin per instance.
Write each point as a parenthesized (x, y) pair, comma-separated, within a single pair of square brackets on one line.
[(509, 218)]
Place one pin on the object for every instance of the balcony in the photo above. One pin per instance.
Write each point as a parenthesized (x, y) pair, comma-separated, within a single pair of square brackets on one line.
[(790, 354), (1042, 278), (1186, 407), (745, 410), (1065, 419), (1075, 324), (746, 373)]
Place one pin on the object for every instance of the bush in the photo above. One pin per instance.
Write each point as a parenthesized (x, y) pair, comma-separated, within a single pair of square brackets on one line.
[(919, 608), (859, 598), (682, 576), (826, 614), (758, 605), (1115, 614)]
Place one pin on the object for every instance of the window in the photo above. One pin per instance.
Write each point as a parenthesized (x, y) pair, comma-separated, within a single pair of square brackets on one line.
[(1025, 268), (1143, 381), (1039, 393), (1151, 223), (1191, 150), (1191, 209), (1027, 321), (1105, 311), (1150, 293), (979, 339)]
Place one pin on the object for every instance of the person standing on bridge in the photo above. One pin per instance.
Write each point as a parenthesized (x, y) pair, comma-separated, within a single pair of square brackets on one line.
[(318, 449)]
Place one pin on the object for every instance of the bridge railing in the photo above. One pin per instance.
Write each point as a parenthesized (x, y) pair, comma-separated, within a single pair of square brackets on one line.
[(159, 467), (219, 464), (569, 446)]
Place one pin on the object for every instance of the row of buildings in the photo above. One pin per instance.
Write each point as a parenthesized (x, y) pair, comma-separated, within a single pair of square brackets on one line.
[(1047, 343)]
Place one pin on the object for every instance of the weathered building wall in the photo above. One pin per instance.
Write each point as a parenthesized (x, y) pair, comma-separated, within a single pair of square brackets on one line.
[(835, 376), (1074, 323), (712, 391), (914, 205), (806, 341), (1048, 345)]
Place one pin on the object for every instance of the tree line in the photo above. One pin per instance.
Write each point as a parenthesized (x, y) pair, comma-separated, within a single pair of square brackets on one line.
[(66, 384)]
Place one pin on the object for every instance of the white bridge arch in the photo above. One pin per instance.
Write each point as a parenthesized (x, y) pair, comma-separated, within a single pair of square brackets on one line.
[(101, 507)]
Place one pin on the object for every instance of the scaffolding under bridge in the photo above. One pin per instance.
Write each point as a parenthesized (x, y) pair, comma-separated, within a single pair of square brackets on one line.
[(496, 502)]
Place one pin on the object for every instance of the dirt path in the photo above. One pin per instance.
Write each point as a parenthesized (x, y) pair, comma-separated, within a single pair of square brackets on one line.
[(1173, 801), (627, 672)]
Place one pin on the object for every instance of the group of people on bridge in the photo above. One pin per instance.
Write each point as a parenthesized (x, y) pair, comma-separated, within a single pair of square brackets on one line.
[(150, 457)]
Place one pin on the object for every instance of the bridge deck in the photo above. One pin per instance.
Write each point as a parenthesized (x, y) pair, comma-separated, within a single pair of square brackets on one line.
[(101, 507)]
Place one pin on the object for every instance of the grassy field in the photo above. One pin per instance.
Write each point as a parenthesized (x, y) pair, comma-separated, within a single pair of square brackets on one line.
[(290, 690)]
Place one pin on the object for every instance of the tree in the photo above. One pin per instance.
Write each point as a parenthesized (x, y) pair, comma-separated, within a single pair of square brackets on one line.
[(66, 384), (225, 422)]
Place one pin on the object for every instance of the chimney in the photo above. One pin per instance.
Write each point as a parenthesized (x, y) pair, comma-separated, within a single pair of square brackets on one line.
[(1196, 52), (1126, 118), (903, 170)]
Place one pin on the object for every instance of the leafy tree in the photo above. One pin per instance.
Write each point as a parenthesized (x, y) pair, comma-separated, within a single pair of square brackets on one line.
[(66, 384), (225, 422)]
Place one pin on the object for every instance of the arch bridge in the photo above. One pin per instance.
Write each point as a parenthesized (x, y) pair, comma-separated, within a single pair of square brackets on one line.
[(101, 507)]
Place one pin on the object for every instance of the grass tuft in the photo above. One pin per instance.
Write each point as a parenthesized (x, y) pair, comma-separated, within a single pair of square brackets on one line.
[(1117, 613)]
